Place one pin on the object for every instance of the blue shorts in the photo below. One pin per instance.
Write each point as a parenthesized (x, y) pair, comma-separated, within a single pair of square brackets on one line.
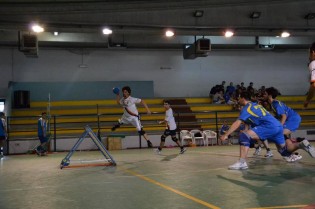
[(272, 133), (292, 123), (42, 139)]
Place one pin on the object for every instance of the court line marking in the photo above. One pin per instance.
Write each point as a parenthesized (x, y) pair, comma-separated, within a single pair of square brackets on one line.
[(171, 189), (277, 207)]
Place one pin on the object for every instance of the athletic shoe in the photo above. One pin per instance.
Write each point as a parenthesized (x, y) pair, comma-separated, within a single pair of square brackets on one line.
[(307, 147), (157, 151), (257, 151), (298, 156), (238, 166), (268, 154), (183, 150), (149, 144), (292, 158)]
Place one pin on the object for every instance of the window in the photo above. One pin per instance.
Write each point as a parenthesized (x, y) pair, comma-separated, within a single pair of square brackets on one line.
[(1, 105)]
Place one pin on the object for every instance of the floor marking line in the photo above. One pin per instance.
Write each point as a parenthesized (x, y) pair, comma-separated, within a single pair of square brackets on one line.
[(171, 189), (277, 207)]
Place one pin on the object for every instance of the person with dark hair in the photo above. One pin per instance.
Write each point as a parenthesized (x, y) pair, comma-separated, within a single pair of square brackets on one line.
[(311, 67), (264, 126), (42, 135), (170, 129), (290, 119), (131, 114), (3, 133)]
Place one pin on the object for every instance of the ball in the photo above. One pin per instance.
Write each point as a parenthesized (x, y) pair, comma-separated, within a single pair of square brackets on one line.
[(116, 90)]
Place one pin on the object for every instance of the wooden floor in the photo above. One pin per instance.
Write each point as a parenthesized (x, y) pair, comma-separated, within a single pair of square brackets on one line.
[(197, 179)]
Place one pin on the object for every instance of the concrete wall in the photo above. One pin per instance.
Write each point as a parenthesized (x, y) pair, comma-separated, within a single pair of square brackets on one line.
[(171, 74)]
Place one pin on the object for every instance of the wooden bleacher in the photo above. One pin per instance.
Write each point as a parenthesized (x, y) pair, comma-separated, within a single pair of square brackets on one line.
[(71, 116)]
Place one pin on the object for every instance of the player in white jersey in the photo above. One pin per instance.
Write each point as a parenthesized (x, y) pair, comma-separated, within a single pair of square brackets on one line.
[(311, 67), (170, 129), (131, 115)]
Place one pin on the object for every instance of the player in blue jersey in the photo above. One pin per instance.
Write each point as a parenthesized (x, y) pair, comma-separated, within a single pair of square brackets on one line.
[(42, 134), (311, 67), (264, 126), (290, 119), (3, 133)]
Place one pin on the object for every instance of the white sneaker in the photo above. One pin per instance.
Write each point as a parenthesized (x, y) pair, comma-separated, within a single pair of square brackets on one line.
[(298, 156), (157, 151), (257, 151), (238, 166), (292, 158), (268, 154), (307, 147)]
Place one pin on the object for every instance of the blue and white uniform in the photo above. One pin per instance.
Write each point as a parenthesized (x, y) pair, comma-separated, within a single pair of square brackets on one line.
[(293, 118), (262, 122), (41, 130), (3, 128)]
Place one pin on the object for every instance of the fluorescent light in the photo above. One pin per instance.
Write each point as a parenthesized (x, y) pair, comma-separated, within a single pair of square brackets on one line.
[(228, 33), (56, 33), (37, 29), (107, 31), (198, 13), (285, 34), (169, 33)]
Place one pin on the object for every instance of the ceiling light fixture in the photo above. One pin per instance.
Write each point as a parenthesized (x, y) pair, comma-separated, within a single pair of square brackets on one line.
[(107, 31), (198, 13), (285, 34), (56, 33), (37, 28), (228, 33), (169, 33), (309, 16), (255, 15)]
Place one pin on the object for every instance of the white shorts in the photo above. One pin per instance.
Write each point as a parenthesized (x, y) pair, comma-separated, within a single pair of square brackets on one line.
[(133, 120)]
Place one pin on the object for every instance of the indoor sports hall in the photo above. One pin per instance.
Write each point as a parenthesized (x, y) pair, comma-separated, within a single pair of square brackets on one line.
[(157, 104)]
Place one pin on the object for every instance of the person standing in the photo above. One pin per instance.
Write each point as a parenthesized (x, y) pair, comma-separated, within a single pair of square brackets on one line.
[(170, 129), (42, 134), (3, 133), (311, 67), (131, 114)]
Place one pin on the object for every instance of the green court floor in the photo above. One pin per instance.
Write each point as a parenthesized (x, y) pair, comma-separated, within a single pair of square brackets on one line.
[(197, 179)]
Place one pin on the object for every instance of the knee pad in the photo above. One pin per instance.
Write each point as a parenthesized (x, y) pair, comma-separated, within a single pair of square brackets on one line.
[(245, 140), (141, 132), (163, 138), (284, 151), (174, 139)]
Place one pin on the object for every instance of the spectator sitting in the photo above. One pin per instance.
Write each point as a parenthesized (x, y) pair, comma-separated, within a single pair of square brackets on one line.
[(218, 98), (230, 88), (228, 97), (243, 88)]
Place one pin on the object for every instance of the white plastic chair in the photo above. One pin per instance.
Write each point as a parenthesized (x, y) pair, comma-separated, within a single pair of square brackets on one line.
[(185, 135), (210, 135), (195, 132)]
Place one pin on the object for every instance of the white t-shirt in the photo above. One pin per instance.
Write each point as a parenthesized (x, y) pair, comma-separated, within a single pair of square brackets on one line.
[(170, 119), (311, 67), (129, 105)]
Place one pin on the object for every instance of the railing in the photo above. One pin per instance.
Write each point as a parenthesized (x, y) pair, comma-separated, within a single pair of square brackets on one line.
[(69, 126)]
